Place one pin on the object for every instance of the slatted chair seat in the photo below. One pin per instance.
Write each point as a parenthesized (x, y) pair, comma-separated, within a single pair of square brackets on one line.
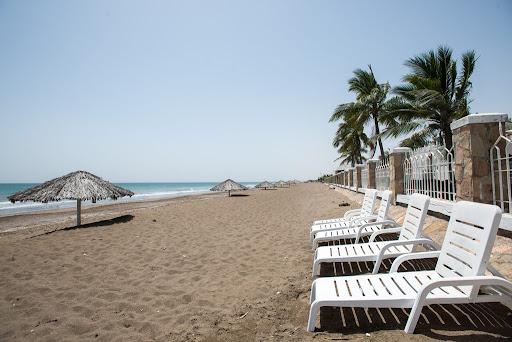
[(358, 252), (393, 290), (345, 233), (411, 231), (349, 229), (338, 224), (370, 196), (458, 278)]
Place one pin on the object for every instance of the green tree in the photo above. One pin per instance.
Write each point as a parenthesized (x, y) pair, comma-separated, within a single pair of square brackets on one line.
[(351, 142), (371, 102), (434, 94)]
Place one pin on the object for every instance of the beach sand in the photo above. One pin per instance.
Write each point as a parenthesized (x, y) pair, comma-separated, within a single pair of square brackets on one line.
[(203, 268)]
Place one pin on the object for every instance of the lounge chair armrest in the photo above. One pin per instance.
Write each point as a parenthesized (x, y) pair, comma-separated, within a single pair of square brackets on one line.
[(384, 231), (380, 256), (356, 220), (383, 223), (349, 214), (475, 281), (412, 256), (494, 271)]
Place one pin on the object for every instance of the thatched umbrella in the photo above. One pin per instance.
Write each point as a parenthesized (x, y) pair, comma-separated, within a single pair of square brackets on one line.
[(264, 185), (228, 185), (281, 184), (78, 185)]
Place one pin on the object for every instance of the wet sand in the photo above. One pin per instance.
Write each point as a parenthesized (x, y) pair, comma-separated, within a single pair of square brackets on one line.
[(203, 268)]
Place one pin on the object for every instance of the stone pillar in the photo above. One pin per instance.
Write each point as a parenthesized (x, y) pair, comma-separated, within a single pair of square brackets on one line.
[(396, 170), (372, 181), (473, 137), (351, 177), (358, 176)]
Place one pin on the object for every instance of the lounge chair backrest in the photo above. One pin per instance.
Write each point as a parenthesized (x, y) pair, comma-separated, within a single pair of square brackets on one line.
[(414, 217), (370, 197), (385, 204), (468, 241)]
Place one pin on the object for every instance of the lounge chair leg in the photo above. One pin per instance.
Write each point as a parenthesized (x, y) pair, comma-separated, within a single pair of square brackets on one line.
[(316, 263), (315, 244), (312, 295), (413, 318), (376, 267), (313, 311)]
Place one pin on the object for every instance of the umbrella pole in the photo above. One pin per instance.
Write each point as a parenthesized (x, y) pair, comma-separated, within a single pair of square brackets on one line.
[(78, 212)]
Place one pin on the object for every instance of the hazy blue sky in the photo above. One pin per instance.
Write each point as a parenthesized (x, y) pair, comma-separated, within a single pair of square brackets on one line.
[(205, 90)]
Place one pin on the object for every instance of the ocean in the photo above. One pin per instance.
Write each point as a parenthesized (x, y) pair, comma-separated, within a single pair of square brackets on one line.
[(142, 191)]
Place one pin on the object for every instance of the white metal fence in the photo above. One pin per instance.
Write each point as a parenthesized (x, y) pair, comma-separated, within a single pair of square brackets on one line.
[(364, 177), (382, 174), (501, 160), (430, 170)]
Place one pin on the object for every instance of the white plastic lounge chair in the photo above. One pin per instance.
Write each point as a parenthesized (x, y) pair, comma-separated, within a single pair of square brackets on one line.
[(376, 251), (370, 196), (417, 201), (458, 276), (371, 223)]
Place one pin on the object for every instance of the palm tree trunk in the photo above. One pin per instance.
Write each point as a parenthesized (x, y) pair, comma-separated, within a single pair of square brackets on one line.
[(377, 132), (448, 139)]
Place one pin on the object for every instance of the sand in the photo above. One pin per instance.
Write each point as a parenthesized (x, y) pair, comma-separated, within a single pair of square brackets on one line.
[(203, 268)]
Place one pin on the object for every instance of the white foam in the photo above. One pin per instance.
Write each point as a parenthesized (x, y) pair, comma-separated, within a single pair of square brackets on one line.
[(8, 208)]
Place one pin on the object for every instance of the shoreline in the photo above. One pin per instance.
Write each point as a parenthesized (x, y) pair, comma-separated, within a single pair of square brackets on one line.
[(67, 216), (142, 192)]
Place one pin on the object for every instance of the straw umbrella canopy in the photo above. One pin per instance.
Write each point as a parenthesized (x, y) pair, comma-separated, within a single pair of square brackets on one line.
[(281, 184), (264, 185), (78, 185), (228, 185)]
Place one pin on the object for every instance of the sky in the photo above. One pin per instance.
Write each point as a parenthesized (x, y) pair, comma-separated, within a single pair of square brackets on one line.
[(206, 90)]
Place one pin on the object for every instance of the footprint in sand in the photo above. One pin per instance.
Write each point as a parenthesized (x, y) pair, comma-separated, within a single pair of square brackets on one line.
[(108, 296), (23, 276), (79, 327), (186, 299)]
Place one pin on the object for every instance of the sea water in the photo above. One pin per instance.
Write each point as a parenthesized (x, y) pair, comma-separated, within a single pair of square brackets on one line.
[(143, 191)]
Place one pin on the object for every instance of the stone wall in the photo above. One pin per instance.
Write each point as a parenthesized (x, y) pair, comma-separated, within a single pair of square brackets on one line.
[(473, 139)]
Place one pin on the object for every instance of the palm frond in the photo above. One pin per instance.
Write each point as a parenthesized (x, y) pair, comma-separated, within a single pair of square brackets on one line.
[(468, 66), (435, 92), (419, 139)]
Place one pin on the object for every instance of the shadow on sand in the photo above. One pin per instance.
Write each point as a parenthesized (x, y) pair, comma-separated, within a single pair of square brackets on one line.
[(102, 223), (483, 322)]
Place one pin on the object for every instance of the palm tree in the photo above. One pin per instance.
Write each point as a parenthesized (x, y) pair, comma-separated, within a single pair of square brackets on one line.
[(351, 142), (434, 94), (370, 102)]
